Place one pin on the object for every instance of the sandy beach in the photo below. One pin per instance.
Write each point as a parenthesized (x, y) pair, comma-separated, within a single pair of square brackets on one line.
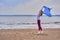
[(29, 34)]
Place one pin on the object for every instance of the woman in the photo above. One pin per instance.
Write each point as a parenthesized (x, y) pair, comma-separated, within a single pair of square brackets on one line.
[(39, 21)]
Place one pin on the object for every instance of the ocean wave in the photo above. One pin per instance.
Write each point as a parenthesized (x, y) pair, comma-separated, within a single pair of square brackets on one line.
[(2, 23)]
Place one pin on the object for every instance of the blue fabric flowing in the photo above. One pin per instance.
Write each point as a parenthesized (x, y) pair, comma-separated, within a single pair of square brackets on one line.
[(47, 11)]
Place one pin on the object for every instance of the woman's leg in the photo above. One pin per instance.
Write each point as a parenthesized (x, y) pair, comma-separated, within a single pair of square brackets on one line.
[(39, 25)]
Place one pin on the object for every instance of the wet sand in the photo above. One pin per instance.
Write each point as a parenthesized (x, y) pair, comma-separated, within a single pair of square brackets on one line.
[(29, 34)]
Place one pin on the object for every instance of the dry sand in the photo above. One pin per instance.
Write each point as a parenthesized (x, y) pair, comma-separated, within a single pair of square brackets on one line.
[(29, 34)]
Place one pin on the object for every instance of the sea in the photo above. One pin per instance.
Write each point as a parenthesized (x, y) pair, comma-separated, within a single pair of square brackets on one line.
[(28, 21)]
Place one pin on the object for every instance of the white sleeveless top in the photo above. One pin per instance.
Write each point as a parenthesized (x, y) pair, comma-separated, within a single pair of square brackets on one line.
[(38, 17)]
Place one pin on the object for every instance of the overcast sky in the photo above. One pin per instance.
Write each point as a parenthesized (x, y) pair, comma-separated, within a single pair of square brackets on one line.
[(28, 6)]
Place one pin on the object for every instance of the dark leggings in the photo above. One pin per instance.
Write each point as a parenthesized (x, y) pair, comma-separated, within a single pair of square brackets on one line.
[(39, 25)]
